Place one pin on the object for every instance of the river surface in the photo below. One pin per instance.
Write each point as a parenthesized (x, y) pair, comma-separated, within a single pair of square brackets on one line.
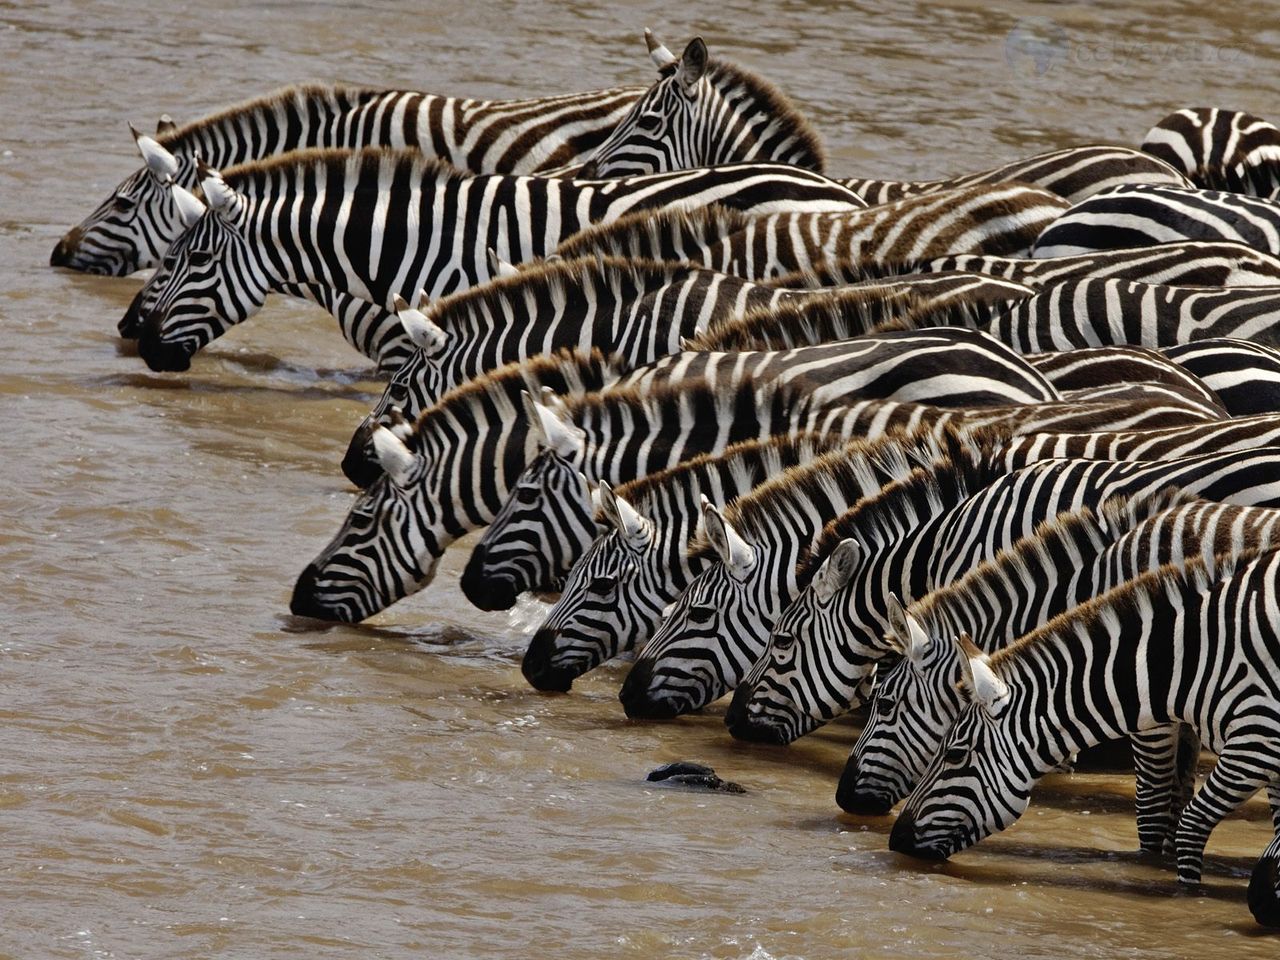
[(188, 771)]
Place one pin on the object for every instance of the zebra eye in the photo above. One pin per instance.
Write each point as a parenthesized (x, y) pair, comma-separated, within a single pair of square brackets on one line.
[(397, 392), (201, 258), (527, 494), (649, 123), (884, 706), (124, 204), (956, 755), (603, 585), (781, 641), (168, 260), (701, 614)]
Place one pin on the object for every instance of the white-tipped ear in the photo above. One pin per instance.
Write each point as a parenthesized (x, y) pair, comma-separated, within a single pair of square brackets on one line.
[(549, 398), (551, 430), (621, 515), (394, 457), (216, 192), (159, 161), (190, 209), (985, 688), (837, 569), (499, 267), (693, 64), (165, 125), (735, 553), (427, 336), (662, 57)]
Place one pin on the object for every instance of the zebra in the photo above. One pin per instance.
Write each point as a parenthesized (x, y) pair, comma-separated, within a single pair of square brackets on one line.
[(133, 227), (1073, 173), (378, 223), (1167, 443), (1091, 368), (1219, 149), (1245, 376), (703, 112), (1091, 313), (1135, 216), (1004, 219), (1191, 263), (829, 639), (620, 582), (1077, 557), (640, 310), (542, 533), (1129, 660)]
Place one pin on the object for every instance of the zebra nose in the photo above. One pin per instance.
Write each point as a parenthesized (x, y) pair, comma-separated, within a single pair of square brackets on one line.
[(538, 668), (161, 355), (853, 800), (305, 601), (484, 590), (1264, 891), (638, 700), (64, 250), (359, 464), (743, 725), (902, 839)]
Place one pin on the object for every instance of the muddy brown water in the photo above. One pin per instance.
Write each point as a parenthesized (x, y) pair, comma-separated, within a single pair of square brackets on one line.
[(187, 771)]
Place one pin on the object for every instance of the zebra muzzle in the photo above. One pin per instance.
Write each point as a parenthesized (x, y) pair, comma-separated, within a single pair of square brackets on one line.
[(851, 797), (746, 726), (538, 668), (903, 839), (487, 592)]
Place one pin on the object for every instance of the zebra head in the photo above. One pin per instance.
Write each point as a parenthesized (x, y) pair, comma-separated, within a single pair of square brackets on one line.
[(387, 547), (211, 283), (658, 134), (714, 633), (415, 386), (915, 703), (133, 227), (977, 783), (795, 687), (546, 524), (610, 600)]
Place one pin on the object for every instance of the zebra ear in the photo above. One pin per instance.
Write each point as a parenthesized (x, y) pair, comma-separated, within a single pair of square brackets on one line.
[(216, 191), (837, 569), (736, 554), (162, 164), (427, 336), (165, 125), (190, 209), (394, 457), (663, 59), (906, 632), (499, 267), (693, 64), (551, 430), (622, 516), (985, 688)]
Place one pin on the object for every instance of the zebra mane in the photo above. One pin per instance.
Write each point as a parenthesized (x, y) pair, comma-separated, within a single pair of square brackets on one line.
[(827, 316), (297, 96), (1113, 518), (1123, 604), (342, 161), (777, 105), (748, 463), (960, 468), (481, 401), (654, 234), (842, 272), (556, 280)]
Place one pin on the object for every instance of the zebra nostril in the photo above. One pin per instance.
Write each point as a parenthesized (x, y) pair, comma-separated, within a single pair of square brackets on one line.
[(481, 588), (538, 668), (359, 465), (161, 355)]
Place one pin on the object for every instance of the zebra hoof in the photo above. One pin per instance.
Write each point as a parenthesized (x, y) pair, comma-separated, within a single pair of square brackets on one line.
[(486, 592), (538, 669), (1264, 892)]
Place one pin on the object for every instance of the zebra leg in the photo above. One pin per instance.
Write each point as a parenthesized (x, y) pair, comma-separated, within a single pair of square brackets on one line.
[(1231, 782), (1264, 885), (1155, 794)]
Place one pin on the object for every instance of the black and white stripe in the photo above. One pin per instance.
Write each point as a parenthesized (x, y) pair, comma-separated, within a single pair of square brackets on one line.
[(1219, 149), (133, 227), (378, 224)]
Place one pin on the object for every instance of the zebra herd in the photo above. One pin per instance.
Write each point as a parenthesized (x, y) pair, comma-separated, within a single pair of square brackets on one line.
[(998, 455)]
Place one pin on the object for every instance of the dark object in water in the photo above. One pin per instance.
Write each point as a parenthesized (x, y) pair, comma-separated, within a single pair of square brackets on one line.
[(697, 776)]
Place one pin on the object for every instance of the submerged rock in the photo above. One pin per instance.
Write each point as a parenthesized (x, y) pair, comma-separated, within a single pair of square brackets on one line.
[(696, 776)]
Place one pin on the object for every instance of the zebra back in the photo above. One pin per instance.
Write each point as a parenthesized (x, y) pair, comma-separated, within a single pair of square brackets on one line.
[(1219, 149), (1145, 215), (1095, 368), (1244, 375), (1073, 173), (1242, 433), (702, 112)]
